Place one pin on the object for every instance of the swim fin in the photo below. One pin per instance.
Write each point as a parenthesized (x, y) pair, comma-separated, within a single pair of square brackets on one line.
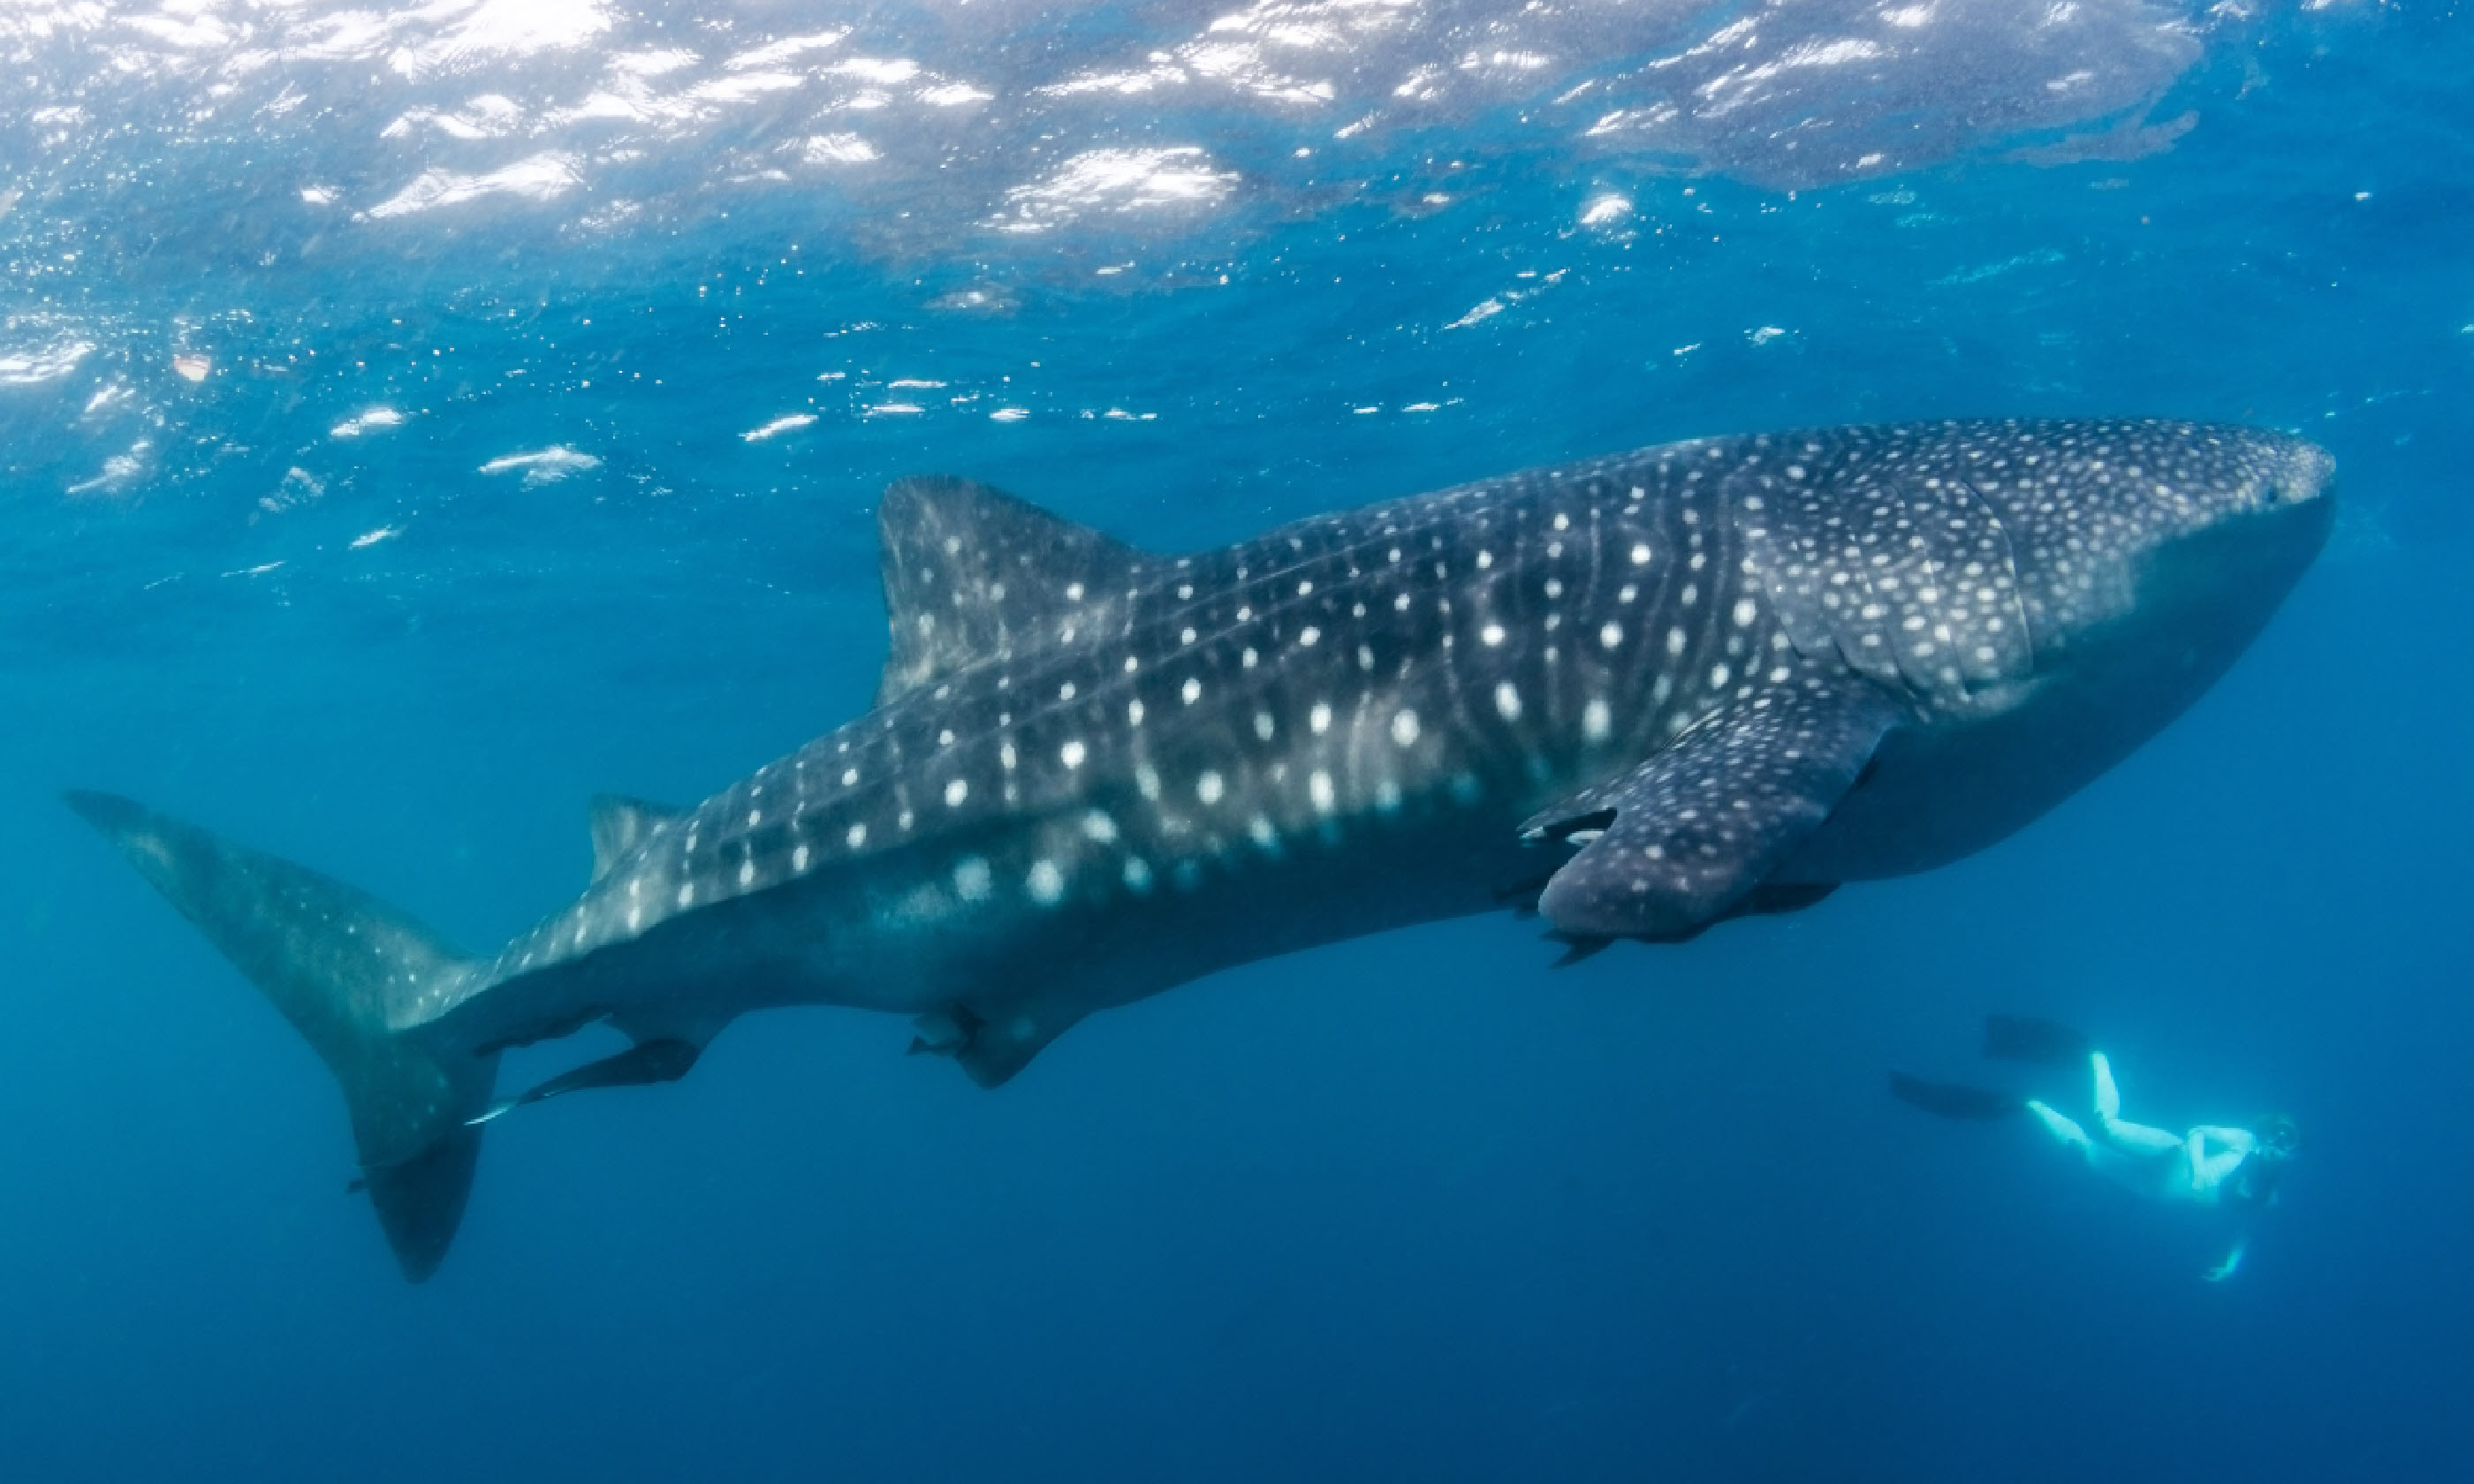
[(2026, 1038), (1953, 1100)]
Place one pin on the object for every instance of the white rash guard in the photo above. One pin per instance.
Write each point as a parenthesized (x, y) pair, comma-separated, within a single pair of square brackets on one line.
[(2194, 1167)]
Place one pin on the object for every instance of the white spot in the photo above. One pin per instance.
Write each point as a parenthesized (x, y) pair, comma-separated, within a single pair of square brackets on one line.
[(973, 880), (1400, 604), (1185, 637), (686, 892), (1046, 882), (755, 816), (1147, 780), (945, 738), (1065, 692), (1138, 873), (1309, 636), (1072, 755), (1192, 690), (1319, 718), (1404, 726), (1595, 722), (1264, 725), (1485, 560), (1554, 587), (850, 776), (1132, 664), (857, 837), (1073, 592), (1319, 787), (1387, 796), (1262, 833), (1675, 640), (1718, 675), (1507, 701), (1248, 657), (1209, 787), (798, 860), (1133, 713), (1005, 755), (1611, 635), (1640, 554), (747, 878), (956, 792), (1746, 610), (1491, 634), (1097, 826), (1562, 523), (1304, 588)]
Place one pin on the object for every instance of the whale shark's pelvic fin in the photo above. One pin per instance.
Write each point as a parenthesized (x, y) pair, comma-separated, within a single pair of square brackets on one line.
[(334, 960), (991, 1049), (970, 571), (621, 824), (1684, 839)]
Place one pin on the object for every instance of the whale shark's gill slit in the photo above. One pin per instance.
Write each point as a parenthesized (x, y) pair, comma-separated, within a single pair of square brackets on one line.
[(1572, 829)]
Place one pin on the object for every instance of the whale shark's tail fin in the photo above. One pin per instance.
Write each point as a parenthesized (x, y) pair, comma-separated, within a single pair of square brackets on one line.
[(336, 962), (2026, 1038)]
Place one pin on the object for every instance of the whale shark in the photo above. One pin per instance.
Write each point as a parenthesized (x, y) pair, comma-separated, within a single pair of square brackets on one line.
[(1638, 694)]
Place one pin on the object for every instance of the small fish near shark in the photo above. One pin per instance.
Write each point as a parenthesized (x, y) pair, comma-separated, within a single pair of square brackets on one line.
[(1640, 694)]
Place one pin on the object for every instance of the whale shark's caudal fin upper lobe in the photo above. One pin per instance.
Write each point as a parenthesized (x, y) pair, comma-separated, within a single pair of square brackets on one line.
[(334, 960)]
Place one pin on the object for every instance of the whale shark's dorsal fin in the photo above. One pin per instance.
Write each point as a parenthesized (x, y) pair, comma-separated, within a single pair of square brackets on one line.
[(972, 572), (621, 824)]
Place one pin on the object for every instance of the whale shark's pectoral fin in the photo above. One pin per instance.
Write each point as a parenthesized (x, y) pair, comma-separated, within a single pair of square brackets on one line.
[(1687, 838), (970, 572), (619, 824)]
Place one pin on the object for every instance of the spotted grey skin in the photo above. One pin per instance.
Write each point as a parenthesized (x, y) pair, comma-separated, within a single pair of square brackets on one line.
[(1700, 680)]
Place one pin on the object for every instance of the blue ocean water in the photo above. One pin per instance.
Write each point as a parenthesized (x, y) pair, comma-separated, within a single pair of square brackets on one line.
[(413, 423)]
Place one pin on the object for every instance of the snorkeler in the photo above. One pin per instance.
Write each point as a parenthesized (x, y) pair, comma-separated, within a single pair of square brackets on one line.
[(2231, 1168)]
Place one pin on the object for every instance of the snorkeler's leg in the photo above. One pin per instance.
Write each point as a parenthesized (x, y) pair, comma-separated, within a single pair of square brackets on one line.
[(2064, 1129), (2129, 1138)]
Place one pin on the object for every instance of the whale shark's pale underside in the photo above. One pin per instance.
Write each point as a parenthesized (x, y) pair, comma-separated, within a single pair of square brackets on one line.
[(1640, 694)]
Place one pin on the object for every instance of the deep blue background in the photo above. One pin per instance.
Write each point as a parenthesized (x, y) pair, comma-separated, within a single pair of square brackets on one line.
[(1412, 1207)]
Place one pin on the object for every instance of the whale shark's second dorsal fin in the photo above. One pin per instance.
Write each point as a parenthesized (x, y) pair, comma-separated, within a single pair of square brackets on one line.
[(621, 824), (972, 572)]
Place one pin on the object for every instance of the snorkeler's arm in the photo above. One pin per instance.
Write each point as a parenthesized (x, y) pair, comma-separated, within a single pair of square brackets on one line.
[(2239, 1141), (2232, 1263), (2208, 1167)]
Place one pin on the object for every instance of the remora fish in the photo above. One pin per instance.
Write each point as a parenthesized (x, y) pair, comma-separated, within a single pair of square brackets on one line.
[(1733, 673)]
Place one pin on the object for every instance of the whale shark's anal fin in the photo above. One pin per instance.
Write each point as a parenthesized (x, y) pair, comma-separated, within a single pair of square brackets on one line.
[(665, 1059), (1690, 836), (970, 572), (335, 961)]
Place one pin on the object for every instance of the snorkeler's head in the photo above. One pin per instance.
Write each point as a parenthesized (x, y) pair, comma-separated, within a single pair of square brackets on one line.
[(2280, 1137)]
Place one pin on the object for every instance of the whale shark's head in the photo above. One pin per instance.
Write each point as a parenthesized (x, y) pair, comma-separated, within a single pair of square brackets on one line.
[(2143, 523)]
